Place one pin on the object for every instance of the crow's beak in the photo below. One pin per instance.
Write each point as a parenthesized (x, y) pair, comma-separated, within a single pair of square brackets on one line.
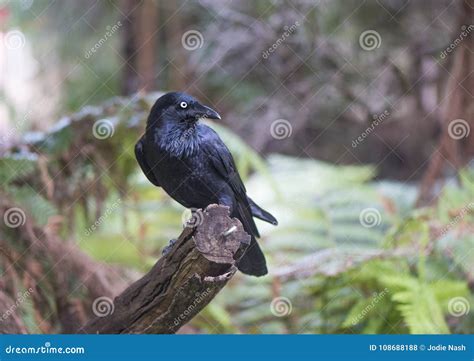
[(201, 111)]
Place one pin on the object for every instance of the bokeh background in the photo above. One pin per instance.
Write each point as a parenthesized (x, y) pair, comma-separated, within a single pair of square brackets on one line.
[(351, 121)]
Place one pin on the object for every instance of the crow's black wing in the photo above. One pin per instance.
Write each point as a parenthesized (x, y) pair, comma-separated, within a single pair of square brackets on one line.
[(224, 164), (253, 261), (143, 164)]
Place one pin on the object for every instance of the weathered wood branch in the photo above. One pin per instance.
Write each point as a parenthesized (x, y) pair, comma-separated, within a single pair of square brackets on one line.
[(183, 281)]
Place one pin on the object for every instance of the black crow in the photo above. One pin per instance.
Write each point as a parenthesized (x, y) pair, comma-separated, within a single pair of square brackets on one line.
[(193, 165)]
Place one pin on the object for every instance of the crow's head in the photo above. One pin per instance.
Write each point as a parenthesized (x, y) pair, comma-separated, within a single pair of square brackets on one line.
[(173, 123), (179, 109)]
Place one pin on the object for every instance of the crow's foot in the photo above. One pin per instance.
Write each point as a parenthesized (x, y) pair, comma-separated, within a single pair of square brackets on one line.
[(168, 248)]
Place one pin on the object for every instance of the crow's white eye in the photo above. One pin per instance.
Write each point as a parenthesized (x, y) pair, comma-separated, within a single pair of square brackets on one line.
[(183, 105)]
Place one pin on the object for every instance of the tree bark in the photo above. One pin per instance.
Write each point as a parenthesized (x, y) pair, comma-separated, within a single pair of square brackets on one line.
[(453, 151), (182, 282)]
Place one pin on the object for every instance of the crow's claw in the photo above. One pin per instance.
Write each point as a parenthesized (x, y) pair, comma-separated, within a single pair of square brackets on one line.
[(168, 248)]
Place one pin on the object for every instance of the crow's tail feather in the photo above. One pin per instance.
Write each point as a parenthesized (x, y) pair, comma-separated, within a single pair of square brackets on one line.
[(261, 213), (253, 261)]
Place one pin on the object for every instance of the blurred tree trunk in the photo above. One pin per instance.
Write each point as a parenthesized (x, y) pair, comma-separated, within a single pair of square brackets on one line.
[(452, 150), (139, 45), (174, 31), (146, 44), (128, 46)]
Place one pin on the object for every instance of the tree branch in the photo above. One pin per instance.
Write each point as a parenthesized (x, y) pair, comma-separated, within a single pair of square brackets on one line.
[(183, 281)]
